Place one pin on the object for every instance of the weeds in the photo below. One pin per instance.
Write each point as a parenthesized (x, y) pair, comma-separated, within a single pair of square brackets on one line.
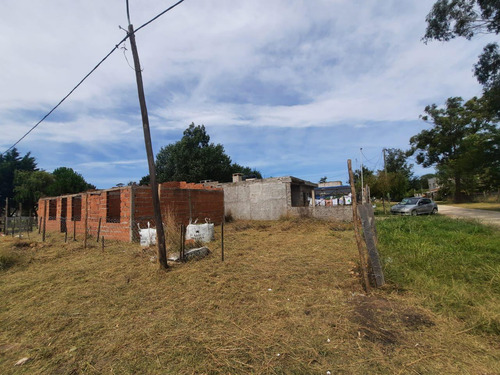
[(453, 264), (8, 260)]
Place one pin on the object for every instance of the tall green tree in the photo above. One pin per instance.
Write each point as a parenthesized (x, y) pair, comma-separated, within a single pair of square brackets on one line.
[(67, 181), (194, 158), (30, 186), (396, 161), (245, 171), (449, 19), (11, 162), (459, 143)]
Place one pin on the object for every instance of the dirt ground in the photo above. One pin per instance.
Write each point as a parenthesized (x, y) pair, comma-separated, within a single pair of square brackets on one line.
[(484, 216), (287, 300)]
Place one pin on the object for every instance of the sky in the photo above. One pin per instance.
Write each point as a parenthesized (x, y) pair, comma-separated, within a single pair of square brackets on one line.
[(289, 87)]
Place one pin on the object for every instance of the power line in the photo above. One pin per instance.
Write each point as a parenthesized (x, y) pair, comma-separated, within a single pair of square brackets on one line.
[(63, 99), (158, 16), (92, 71)]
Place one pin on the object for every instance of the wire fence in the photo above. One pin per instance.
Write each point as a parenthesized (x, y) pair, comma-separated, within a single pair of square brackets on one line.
[(18, 225)]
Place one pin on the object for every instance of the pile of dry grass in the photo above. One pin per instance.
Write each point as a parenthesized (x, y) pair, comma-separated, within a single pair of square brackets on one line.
[(286, 300)]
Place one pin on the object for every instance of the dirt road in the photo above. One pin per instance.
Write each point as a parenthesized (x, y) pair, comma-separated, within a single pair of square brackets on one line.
[(488, 217)]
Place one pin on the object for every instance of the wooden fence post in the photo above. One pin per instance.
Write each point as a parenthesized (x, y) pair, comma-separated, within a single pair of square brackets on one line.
[(74, 230), (222, 240), (181, 244), (98, 230), (86, 220), (5, 229), (44, 220), (363, 253), (370, 235)]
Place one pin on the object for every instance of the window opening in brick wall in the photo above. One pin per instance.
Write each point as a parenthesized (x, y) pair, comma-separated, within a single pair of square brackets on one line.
[(113, 211), (52, 209), (64, 213), (76, 208)]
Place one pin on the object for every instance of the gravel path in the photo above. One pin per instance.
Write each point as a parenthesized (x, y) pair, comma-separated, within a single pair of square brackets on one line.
[(488, 217)]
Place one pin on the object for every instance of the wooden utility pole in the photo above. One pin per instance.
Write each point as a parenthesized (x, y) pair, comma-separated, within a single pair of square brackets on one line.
[(160, 234), (363, 252)]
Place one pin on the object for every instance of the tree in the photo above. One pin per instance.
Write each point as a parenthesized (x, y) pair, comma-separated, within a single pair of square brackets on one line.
[(194, 158), (466, 18), (322, 179), (460, 143), (396, 161), (67, 181), (245, 171), (11, 162), (30, 186)]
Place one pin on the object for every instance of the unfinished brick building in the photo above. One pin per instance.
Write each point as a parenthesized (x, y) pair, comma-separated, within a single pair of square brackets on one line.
[(120, 210)]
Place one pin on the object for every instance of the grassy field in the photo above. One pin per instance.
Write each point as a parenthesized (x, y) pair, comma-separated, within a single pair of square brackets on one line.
[(453, 265), (287, 300)]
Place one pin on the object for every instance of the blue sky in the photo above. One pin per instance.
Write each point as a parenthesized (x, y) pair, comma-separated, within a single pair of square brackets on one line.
[(289, 87)]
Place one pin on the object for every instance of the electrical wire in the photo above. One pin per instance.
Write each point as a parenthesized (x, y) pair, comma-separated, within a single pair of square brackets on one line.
[(158, 16), (117, 46)]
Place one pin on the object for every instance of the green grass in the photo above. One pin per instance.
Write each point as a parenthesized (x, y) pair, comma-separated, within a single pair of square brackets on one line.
[(454, 265)]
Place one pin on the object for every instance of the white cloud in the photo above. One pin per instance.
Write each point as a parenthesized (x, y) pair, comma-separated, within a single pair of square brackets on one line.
[(341, 65)]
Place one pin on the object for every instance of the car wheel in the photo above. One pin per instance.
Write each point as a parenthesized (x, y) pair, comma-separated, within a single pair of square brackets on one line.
[(414, 213), (434, 211)]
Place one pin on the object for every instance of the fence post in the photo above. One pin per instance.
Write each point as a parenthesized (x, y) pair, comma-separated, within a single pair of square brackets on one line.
[(74, 230), (222, 239), (6, 215), (99, 230), (370, 234), (102, 241), (44, 220), (181, 256), (86, 220), (363, 252)]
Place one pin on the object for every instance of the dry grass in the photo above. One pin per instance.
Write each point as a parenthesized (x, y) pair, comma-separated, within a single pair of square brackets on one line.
[(287, 300)]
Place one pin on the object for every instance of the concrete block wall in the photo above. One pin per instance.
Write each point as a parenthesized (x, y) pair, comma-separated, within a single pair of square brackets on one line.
[(341, 213), (257, 200)]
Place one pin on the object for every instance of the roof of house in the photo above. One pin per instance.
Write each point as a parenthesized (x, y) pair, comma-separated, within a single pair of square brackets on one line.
[(332, 190)]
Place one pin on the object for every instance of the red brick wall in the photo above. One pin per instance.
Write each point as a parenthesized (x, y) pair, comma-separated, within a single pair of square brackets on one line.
[(183, 200)]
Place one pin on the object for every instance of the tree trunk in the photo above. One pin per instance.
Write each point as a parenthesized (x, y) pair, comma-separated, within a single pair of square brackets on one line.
[(458, 189)]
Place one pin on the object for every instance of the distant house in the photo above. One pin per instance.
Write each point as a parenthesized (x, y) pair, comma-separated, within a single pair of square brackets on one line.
[(330, 184), (433, 187)]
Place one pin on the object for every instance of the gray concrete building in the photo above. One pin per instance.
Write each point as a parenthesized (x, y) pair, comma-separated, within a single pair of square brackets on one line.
[(272, 198)]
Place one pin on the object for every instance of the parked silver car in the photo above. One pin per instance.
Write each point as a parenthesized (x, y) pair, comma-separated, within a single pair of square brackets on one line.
[(415, 206)]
